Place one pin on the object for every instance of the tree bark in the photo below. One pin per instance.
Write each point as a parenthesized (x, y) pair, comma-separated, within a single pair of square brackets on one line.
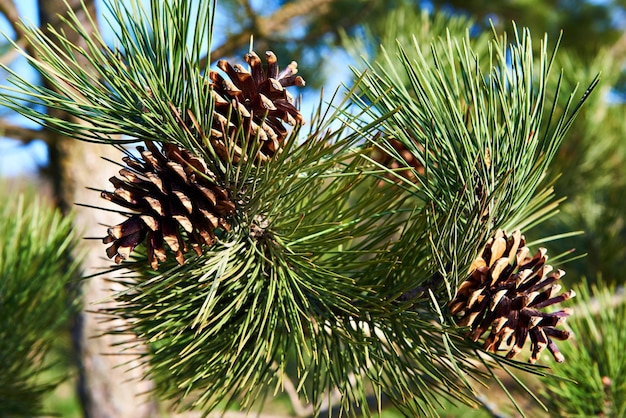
[(109, 383)]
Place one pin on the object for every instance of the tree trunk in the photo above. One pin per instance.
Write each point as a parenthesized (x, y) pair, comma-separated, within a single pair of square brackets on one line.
[(109, 383)]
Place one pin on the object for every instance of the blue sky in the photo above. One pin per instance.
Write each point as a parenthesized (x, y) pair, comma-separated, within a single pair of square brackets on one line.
[(16, 158)]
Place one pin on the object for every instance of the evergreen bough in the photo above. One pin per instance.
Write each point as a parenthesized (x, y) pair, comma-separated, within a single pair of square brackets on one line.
[(331, 269), (592, 381), (36, 271)]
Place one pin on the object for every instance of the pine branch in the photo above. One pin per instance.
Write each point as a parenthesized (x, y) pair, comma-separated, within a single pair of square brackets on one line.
[(22, 134), (255, 249), (471, 120), (273, 225), (9, 10), (268, 27), (593, 383), (34, 276)]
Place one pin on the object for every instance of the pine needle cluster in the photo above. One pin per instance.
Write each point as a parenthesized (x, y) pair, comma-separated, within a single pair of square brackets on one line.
[(592, 382), (36, 242), (329, 268), (480, 119)]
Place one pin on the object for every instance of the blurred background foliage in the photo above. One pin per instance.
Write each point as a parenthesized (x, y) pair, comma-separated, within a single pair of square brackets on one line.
[(37, 270), (325, 37), (595, 358)]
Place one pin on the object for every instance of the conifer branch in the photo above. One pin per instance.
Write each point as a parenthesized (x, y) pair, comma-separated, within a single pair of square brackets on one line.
[(254, 249), (22, 134), (34, 308), (268, 27)]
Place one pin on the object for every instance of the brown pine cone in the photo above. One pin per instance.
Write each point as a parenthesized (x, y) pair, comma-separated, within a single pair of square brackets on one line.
[(177, 202), (505, 294), (258, 99)]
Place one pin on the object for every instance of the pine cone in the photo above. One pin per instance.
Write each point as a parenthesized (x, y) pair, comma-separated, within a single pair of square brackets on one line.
[(258, 100), (506, 290), (400, 166), (177, 201)]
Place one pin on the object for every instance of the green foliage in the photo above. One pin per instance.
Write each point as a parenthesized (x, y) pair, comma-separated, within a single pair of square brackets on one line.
[(591, 164), (591, 160), (138, 88), (330, 274), (36, 243), (588, 168), (483, 131), (278, 290), (594, 383), (588, 25), (478, 127), (406, 24)]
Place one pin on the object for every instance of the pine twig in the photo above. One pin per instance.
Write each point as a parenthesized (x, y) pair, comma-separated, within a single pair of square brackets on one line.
[(266, 26), (9, 10), (24, 135)]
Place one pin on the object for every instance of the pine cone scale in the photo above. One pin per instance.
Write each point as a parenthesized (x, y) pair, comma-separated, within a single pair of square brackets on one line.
[(180, 202), (150, 222), (130, 226), (168, 196), (155, 205), (256, 100), (505, 292)]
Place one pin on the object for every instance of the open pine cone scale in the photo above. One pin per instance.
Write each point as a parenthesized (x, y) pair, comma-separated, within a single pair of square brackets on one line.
[(175, 200), (505, 294), (170, 190), (260, 98)]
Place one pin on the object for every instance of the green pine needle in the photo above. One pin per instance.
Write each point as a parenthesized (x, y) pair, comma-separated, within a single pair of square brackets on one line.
[(474, 114), (593, 381), (331, 274), (36, 243), (137, 87)]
